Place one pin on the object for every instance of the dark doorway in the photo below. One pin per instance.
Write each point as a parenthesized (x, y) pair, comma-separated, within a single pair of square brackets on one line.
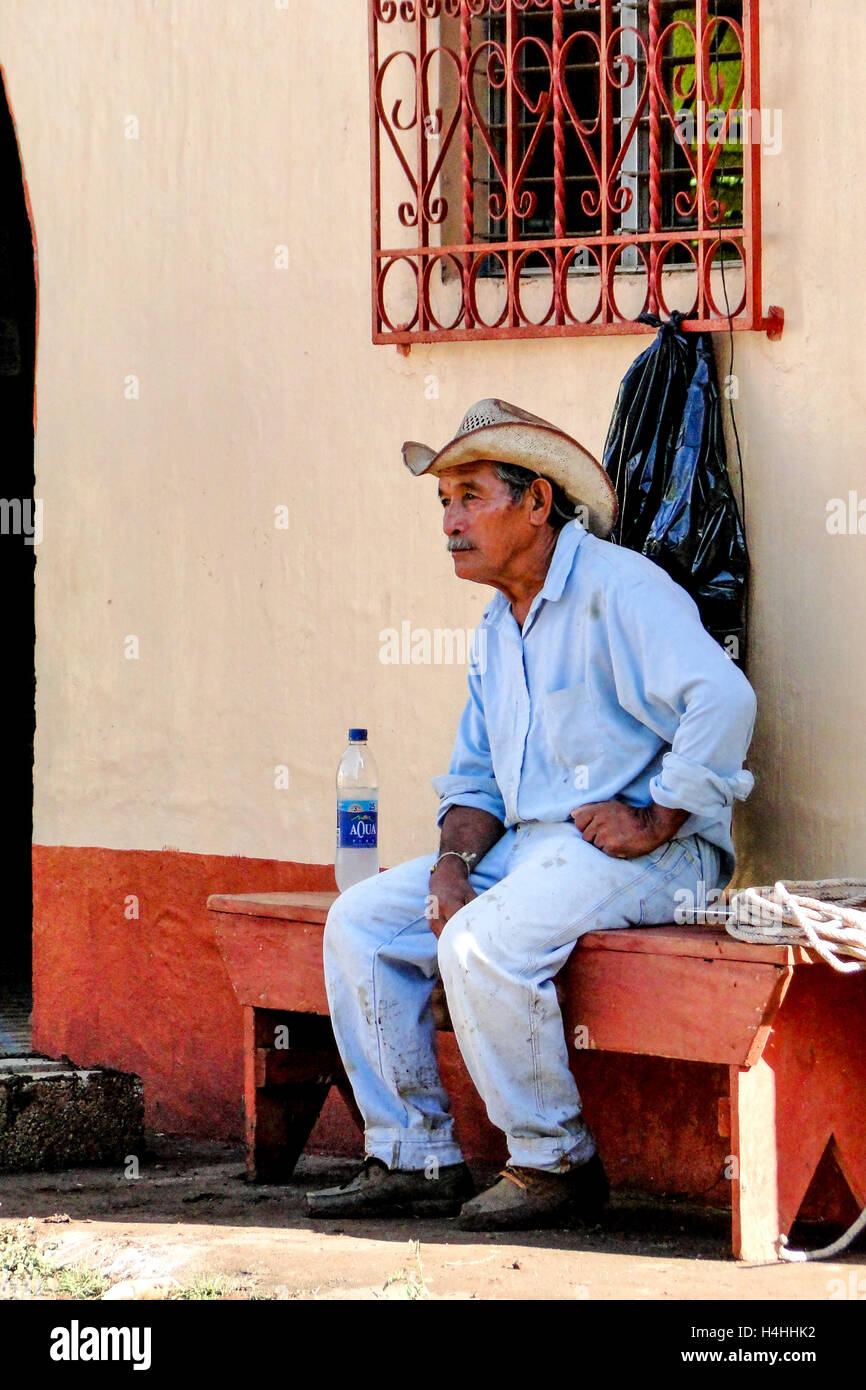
[(20, 533)]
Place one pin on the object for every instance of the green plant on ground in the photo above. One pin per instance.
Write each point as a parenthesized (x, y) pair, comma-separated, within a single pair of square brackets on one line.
[(207, 1286), (25, 1273), (409, 1281)]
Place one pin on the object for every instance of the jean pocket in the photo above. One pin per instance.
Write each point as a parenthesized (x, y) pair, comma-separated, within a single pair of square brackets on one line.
[(687, 848), (663, 854), (675, 868), (692, 847), (707, 860)]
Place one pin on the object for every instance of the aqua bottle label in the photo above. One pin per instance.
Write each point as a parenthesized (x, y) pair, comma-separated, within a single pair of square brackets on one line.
[(357, 824)]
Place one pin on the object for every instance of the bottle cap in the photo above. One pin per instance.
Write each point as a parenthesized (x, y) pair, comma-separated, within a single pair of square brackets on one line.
[(357, 735)]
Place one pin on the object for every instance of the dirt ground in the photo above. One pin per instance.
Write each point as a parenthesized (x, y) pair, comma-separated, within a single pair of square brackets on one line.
[(191, 1213)]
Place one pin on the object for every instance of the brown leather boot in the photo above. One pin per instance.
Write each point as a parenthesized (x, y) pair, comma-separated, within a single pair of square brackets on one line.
[(530, 1199), (379, 1191)]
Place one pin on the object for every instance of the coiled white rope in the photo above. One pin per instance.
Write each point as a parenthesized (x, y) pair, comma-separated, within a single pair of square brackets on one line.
[(822, 918), (829, 920)]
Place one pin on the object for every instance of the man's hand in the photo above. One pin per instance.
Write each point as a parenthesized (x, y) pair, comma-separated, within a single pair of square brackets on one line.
[(625, 832), (449, 890)]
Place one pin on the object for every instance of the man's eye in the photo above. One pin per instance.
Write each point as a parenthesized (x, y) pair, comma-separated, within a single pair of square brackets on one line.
[(463, 497)]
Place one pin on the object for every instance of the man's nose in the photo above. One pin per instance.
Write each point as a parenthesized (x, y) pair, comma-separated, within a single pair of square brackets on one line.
[(450, 520)]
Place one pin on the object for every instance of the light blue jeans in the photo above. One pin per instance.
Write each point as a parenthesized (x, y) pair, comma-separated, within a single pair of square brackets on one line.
[(540, 888)]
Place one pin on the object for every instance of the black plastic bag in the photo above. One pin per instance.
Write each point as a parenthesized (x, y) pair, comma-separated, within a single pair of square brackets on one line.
[(665, 455)]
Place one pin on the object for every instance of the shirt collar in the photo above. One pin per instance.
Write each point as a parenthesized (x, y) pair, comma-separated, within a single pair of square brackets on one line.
[(561, 564)]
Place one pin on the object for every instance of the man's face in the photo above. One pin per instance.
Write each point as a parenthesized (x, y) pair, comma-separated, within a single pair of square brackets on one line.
[(487, 531)]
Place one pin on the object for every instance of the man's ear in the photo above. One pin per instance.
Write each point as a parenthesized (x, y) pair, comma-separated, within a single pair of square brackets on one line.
[(541, 500)]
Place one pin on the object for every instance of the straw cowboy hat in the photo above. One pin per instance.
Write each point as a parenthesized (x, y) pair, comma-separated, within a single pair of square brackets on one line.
[(497, 432)]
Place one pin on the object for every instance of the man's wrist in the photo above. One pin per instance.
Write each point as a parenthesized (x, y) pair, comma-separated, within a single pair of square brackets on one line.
[(667, 818), (462, 859), (468, 829)]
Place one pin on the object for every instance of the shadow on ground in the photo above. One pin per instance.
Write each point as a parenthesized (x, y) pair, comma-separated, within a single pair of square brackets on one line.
[(190, 1211)]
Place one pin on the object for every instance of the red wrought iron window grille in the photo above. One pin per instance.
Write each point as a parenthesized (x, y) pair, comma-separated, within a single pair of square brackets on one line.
[(560, 167)]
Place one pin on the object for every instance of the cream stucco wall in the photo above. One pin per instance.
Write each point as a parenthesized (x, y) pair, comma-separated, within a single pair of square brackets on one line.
[(259, 387)]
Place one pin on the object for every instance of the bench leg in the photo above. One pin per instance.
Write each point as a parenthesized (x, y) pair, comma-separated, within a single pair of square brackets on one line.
[(290, 1064), (816, 1052), (807, 1091), (754, 1197)]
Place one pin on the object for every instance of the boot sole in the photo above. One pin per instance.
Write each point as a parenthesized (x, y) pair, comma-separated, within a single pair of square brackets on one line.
[(564, 1218)]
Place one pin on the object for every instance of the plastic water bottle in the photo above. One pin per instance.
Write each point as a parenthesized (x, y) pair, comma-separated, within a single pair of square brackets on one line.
[(357, 854)]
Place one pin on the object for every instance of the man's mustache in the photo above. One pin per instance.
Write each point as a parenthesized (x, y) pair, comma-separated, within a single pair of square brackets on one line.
[(458, 543)]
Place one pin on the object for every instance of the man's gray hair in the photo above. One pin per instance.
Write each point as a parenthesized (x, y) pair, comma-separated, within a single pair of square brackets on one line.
[(517, 480)]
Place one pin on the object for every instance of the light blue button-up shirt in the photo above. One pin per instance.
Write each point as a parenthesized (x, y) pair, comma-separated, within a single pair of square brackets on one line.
[(612, 689)]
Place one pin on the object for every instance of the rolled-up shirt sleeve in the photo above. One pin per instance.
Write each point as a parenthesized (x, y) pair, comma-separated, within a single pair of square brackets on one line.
[(673, 676), (470, 780)]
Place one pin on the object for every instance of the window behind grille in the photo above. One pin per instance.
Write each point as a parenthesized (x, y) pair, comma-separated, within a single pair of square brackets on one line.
[(599, 176)]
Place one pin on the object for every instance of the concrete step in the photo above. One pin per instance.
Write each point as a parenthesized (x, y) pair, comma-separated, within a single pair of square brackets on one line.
[(34, 1065), (15, 1007), (54, 1114)]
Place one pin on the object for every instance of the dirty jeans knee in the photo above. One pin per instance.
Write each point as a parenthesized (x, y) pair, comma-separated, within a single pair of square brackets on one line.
[(447, 950), (509, 1030)]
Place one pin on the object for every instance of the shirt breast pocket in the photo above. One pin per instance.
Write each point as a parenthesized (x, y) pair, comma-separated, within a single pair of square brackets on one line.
[(571, 726)]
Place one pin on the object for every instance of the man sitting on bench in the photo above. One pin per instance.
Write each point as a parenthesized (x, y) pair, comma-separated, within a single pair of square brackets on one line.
[(592, 780)]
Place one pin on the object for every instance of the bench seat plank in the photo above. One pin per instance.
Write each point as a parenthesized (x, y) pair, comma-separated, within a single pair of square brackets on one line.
[(274, 965), (704, 941), (290, 907), (697, 1010)]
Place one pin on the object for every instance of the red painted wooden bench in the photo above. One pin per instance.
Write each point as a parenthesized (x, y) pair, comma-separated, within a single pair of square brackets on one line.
[(789, 1030)]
